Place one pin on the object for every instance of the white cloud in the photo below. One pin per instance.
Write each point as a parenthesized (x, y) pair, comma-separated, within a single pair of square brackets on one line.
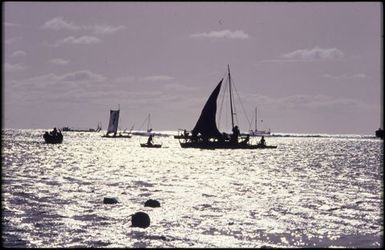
[(59, 61), (238, 34), (79, 40), (9, 24), (13, 67), (81, 76), (58, 23), (346, 76), (136, 79), (106, 29), (18, 53), (156, 78), (72, 80), (314, 54)]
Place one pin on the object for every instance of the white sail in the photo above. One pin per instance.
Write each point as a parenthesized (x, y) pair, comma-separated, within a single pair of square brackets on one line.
[(114, 121)]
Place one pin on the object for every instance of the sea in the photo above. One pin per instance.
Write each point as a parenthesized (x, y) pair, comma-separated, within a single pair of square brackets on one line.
[(311, 191)]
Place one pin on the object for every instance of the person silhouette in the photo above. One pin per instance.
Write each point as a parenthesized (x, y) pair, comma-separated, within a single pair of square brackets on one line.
[(262, 141), (149, 140)]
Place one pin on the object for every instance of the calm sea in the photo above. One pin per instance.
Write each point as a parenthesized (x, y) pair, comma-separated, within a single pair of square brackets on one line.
[(309, 192)]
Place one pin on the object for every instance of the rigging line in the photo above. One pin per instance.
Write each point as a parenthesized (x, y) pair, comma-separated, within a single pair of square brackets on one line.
[(243, 108), (221, 100), (221, 106), (141, 126)]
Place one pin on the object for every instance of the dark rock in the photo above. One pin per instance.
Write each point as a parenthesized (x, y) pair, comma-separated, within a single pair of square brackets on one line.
[(140, 219), (152, 203), (110, 200)]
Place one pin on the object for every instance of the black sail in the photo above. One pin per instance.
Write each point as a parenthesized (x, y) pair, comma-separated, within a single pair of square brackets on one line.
[(206, 124)]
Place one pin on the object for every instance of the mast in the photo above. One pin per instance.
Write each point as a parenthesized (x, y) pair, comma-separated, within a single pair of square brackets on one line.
[(148, 121), (231, 99), (256, 119)]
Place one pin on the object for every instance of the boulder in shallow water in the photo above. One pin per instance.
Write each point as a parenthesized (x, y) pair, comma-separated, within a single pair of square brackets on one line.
[(152, 203), (110, 200), (140, 219)]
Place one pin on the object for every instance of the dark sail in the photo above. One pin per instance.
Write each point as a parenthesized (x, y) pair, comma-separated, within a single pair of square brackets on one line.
[(206, 124)]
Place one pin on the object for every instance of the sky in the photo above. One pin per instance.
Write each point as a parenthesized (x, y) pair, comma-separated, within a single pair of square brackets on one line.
[(308, 67)]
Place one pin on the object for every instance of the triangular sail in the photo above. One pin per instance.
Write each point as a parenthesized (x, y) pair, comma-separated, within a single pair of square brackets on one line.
[(206, 124), (114, 121)]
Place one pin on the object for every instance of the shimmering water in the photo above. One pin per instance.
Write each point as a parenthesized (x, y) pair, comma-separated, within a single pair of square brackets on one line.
[(309, 192)]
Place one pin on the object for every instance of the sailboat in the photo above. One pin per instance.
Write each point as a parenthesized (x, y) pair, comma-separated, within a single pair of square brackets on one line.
[(206, 135), (68, 129), (113, 126), (148, 130), (257, 132)]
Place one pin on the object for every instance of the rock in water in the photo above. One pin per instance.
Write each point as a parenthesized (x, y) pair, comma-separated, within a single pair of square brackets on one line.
[(110, 200), (152, 203), (140, 219)]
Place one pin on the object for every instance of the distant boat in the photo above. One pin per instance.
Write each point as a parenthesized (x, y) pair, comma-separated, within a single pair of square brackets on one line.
[(113, 126), (257, 132), (380, 133), (98, 129), (206, 135), (150, 143), (53, 137), (146, 145), (148, 130)]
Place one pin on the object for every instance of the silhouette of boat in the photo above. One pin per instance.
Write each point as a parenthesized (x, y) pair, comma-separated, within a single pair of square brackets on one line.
[(53, 138), (206, 135), (113, 127), (68, 129), (257, 132), (150, 144), (380, 133), (147, 145)]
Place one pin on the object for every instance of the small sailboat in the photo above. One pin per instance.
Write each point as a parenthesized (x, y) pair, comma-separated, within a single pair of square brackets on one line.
[(206, 135), (148, 130), (150, 143), (257, 132), (113, 127)]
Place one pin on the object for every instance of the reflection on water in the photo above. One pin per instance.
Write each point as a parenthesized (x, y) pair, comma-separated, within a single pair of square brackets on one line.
[(309, 192)]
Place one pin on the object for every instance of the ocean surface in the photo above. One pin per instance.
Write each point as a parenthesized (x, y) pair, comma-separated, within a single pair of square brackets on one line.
[(315, 191)]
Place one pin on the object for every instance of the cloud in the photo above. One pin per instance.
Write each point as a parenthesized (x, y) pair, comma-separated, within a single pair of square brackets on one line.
[(346, 76), (74, 79), (18, 53), (81, 76), (59, 61), (13, 67), (106, 29), (315, 54), (9, 24), (58, 23), (156, 78), (136, 79), (228, 34), (79, 40)]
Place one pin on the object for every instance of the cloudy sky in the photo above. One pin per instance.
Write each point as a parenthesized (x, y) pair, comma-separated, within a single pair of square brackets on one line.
[(308, 67)]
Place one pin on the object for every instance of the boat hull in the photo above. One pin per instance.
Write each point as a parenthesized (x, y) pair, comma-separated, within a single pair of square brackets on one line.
[(145, 145), (53, 139), (117, 136), (223, 145)]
